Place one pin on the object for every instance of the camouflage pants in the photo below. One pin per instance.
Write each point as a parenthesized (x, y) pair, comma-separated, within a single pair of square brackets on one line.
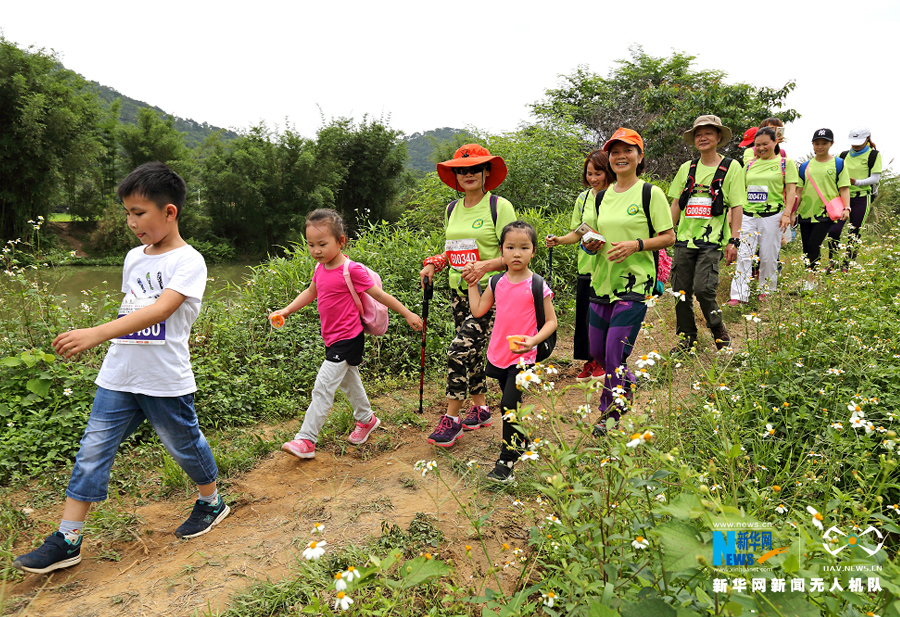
[(465, 356)]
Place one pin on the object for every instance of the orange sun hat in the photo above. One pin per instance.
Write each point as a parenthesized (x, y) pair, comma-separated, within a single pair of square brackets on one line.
[(470, 155), (628, 136)]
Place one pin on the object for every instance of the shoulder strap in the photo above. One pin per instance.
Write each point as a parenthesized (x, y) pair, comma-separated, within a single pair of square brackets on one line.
[(783, 170), (873, 155), (450, 207), (598, 199), (583, 197), (494, 280), (838, 167), (689, 182), (537, 293), (750, 164), (802, 170), (493, 201), (646, 194), (844, 154), (349, 282)]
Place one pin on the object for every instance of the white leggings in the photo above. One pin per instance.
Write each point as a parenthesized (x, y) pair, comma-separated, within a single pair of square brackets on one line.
[(765, 232), (334, 375)]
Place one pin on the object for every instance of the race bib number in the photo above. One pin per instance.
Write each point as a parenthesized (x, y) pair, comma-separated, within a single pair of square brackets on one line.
[(698, 208), (154, 335), (757, 194), (461, 252)]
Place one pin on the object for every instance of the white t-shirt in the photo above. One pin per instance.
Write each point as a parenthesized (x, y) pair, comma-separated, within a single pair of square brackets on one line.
[(155, 369)]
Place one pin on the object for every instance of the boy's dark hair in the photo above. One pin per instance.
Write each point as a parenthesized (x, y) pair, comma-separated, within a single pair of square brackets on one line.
[(325, 217), (601, 163), (519, 226), (155, 182)]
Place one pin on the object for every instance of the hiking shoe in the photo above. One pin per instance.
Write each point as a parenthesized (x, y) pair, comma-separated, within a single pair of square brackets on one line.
[(687, 345), (502, 472), (301, 448), (600, 431), (57, 551), (761, 298), (598, 373), (586, 372), (447, 432), (476, 418), (735, 302), (203, 517), (362, 431), (722, 338)]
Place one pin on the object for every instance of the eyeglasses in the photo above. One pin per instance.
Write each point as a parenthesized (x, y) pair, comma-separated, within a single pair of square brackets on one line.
[(464, 171)]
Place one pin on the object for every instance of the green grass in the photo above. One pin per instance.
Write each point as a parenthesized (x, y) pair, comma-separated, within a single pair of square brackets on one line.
[(60, 217)]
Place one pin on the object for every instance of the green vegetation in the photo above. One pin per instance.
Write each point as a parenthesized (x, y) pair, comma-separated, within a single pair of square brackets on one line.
[(421, 147)]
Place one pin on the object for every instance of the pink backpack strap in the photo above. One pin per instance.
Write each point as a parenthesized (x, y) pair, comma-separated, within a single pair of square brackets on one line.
[(349, 282)]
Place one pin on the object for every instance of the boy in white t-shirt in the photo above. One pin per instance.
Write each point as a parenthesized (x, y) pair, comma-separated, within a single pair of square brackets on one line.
[(146, 374)]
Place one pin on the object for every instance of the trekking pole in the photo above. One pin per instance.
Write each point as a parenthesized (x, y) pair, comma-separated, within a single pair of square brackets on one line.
[(426, 299), (550, 265)]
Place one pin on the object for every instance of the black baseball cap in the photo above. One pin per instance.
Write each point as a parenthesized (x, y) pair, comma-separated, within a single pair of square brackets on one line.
[(823, 134)]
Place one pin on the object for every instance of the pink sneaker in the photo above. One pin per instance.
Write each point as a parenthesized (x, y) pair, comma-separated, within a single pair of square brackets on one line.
[(362, 431), (301, 448), (734, 302)]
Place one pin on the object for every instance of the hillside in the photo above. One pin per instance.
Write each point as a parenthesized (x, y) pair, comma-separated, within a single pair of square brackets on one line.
[(194, 132), (420, 146)]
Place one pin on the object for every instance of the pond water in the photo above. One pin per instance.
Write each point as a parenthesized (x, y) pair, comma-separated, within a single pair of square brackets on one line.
[(70, 280)]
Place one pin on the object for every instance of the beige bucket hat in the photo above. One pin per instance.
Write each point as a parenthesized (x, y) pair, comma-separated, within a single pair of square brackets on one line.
[(708, 121)]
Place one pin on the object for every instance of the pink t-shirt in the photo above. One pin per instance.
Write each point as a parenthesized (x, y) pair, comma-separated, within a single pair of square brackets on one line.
[(515, 315), (337, 311)]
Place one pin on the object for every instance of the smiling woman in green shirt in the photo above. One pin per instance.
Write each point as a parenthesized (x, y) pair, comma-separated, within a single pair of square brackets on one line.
[(623, 274)]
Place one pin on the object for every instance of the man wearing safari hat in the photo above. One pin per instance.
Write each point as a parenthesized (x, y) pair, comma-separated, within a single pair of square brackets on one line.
[(702, 192)]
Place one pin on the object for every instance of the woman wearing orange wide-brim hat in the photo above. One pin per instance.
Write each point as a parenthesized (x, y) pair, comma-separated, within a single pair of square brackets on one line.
[(472, 226)]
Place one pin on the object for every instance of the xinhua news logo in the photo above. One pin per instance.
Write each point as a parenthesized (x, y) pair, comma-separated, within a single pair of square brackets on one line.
[(740, 548)]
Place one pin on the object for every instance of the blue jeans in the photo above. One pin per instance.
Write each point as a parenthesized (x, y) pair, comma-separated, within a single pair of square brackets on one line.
[(114, 416)]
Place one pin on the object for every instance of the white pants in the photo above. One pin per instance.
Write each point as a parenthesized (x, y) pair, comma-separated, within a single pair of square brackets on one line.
[(334, 375), (763, 231)]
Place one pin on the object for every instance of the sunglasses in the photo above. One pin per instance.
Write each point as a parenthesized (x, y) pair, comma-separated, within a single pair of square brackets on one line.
[(464, 171)]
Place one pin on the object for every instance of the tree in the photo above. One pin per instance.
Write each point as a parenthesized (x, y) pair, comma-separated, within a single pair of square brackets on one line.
[(259, 187), (153, 138), (660, 98), (371, 157), (48, 121)]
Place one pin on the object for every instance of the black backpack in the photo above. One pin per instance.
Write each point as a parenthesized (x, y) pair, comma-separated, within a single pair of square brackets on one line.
[(545, 347), (873, 155), (715, 187)]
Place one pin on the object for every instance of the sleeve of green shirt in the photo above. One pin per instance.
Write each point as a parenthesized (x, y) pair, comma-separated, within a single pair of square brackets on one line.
[(677, 185), (506, 214), (791, 175), (589, 215), (734, 186), (876, 169), (660, 213), (843, 178), (576, 211)]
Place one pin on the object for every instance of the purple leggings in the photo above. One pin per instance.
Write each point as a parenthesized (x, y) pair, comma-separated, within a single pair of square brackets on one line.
[(613, 329)]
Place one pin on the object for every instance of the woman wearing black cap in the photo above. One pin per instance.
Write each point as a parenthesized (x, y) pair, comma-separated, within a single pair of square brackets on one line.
[(822, 179)]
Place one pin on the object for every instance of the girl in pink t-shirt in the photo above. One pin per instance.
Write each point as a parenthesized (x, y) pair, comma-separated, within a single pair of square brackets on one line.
[(342, 331), (515, 335)]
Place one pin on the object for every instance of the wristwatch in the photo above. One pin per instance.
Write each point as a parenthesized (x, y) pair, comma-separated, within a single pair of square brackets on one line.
[(735, 242)]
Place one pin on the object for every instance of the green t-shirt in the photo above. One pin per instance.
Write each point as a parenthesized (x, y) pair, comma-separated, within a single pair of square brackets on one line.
[(621, 218), (696, 229), (476, 226), (749, 155), (811, 206), (858, 168), (765, 185), (585, 200)]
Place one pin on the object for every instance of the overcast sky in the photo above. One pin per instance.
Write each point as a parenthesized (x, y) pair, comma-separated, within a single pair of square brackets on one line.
[(462, 64)]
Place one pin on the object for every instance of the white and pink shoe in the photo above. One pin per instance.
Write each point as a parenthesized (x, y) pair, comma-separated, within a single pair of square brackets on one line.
[(301, 448), (362, 431)]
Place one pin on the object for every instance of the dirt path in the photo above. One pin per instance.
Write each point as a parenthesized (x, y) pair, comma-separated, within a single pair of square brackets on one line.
[(275, 506), (65, 232)]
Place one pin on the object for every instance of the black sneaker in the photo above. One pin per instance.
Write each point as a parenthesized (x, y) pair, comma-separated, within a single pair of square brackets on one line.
[(502, 472), (687, 345), (722, 338), (203, 518), (56, 552)]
